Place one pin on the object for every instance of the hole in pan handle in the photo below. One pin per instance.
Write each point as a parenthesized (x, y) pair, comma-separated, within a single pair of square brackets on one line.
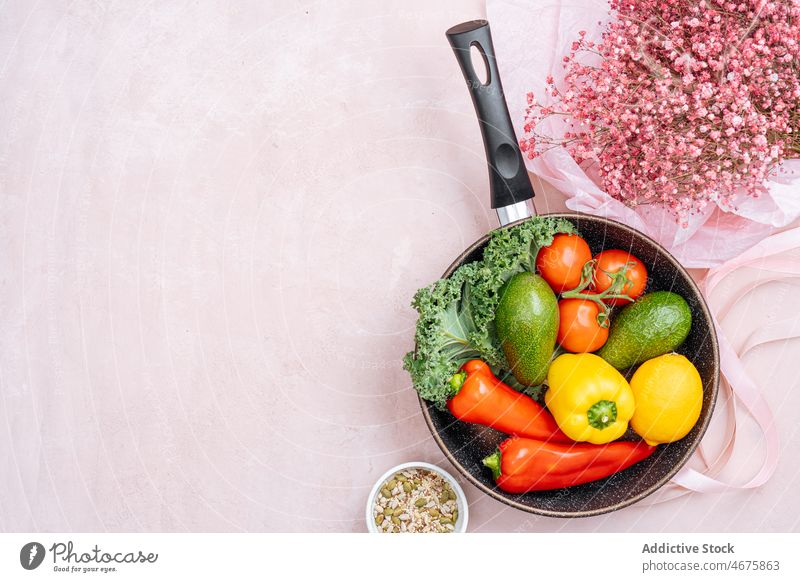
[(509, 186)]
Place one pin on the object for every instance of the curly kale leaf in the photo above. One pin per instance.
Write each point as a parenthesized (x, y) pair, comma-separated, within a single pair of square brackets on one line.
[(514, 249), (456, 315), (444, 336)]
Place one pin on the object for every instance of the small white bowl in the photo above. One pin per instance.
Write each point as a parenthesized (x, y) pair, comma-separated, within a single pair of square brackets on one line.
[(461, 499)]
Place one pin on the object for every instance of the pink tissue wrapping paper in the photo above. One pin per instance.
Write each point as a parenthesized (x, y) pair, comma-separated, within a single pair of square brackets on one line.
[(526, 58), (530, 38)]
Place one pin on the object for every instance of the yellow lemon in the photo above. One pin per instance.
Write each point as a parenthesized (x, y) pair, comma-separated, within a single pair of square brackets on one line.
[(668, 393)]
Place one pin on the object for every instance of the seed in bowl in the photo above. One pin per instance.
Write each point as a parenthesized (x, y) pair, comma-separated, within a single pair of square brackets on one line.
[(416, 501)]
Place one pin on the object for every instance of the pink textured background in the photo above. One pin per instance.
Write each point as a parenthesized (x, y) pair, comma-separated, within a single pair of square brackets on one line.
[(213, 218)]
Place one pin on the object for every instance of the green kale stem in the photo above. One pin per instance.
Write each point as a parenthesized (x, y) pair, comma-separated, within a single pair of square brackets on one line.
[(619, 281)]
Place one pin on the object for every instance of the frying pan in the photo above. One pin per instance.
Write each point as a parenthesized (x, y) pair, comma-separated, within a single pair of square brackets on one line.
[(465, 445)]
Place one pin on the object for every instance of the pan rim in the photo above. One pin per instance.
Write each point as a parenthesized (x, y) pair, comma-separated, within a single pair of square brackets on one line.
[(493, 492)]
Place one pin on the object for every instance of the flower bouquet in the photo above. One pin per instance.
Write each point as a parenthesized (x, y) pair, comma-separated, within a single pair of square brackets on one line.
[(679, 118)]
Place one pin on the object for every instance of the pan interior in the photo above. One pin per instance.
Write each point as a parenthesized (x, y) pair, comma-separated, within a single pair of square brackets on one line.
[(467, 444)]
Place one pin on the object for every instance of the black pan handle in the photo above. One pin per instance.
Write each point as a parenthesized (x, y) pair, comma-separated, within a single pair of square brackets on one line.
[(508, 178)]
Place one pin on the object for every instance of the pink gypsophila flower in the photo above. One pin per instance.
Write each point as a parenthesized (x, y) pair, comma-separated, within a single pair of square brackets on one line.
[(680, 103)]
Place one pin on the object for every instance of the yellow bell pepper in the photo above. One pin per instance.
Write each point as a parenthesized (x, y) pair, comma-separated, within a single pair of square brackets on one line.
[(590, 400)]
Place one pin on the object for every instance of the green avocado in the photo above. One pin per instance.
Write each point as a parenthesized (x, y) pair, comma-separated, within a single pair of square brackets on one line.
[(526, 320), (655, 324)]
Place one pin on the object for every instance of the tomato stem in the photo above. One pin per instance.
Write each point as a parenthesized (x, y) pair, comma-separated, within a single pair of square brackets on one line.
[(619, 281)]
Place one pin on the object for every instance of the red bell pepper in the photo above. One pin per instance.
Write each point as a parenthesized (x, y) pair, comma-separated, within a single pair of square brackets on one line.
[(521, 465), (481, 398)]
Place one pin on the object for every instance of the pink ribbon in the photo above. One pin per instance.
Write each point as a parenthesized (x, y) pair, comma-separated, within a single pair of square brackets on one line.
[(738, 386)]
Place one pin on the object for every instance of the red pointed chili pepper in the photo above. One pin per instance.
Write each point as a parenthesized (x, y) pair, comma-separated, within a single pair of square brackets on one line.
[(521, 465), (481, 398)]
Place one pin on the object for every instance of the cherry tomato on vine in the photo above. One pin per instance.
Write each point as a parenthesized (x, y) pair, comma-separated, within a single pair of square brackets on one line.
[(611, 261), (561, 263), (578, 328)]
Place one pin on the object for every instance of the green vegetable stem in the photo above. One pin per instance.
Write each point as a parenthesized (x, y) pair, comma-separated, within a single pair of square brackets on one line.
[(618, 282)]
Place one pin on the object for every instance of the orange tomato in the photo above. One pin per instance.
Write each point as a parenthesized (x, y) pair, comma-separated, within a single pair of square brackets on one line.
[(561, 263), (578, 329), (611, 261)]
